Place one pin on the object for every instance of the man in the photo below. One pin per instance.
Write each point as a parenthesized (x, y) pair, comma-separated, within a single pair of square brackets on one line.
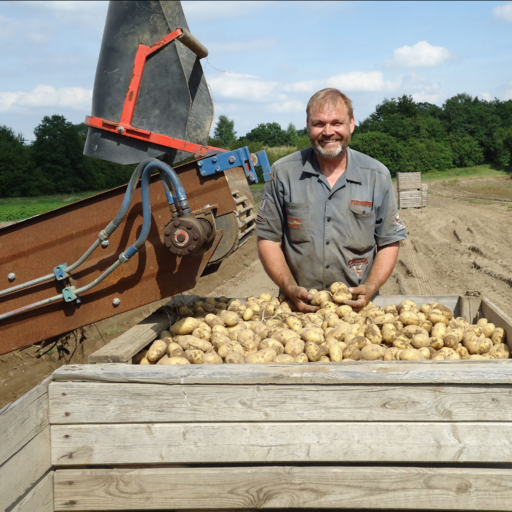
[(330, 212)]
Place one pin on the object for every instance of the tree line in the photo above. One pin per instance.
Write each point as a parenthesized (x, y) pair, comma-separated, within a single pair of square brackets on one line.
[(404, 135)]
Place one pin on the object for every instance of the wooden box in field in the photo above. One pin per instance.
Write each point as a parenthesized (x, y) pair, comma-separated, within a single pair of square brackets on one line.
[(410, 190), (408, 181), (394, 435)]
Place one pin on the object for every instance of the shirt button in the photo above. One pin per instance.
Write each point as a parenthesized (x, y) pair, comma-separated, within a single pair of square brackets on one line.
[(328, 219), (327, 243), (326, 266)]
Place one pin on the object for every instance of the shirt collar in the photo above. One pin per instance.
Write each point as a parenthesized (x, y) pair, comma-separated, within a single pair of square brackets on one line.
[(311, 166)]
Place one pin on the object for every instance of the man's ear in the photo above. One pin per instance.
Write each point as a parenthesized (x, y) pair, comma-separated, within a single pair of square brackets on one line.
[(307, 124), (352, 124)]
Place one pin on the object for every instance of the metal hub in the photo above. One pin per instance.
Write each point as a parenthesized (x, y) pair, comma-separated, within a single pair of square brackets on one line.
[(187, 234)]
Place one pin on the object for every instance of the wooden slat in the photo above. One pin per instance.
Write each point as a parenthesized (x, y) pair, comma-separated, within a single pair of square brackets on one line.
[(495, 315), (24, 468), (39, 498), (470, 308), (182, 443), (391, 488), (123, 348), (24, 419), (90, 403), (351, 372)]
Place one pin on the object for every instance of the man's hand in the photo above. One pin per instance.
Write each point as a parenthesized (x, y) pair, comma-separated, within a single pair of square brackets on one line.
[(361, 295), (301, 297)]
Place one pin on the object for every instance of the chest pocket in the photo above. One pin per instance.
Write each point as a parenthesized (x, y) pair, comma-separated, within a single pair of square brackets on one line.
[(298, 222), (363, 228)]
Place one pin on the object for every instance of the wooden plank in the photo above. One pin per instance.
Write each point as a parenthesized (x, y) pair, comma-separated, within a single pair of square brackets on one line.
[(495, 315), (39, 498), (123, 348), (197, 443), (470, 308), (94, 403), (24, 419), (351, 372), (24, 468), (392, 488), (408, 180)]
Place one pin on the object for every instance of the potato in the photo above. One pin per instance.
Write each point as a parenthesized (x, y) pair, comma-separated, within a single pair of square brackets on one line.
[(137, 358), (267, 355), (498, 336), (420, 341), (411, 354), (315, 351), (320, 297), (220, 329), (220, 339), (351, 352), (212, 358), (285, 335), (450, 340), (232, 346), (156, 351), (408, 318), (230, 318), (194, 356), (411, 330), (487, 329), (176, 360), (248, 314), (372, 332), (359, 342), (144, 361), (438, 330), (283, 358), (192, 342), (202, 334), (436, 343), (373, 352), (273, 344), (294, 347), (436, 317), (463, 352), (447, 312), (184, 326), (335, 352), (315, 335), (245, 336), (234, 358), (425, 351), (500, 351)]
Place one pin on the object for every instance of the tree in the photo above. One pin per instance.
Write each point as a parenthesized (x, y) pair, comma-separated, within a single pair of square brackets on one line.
[(382, 147), (225, 131), (270, 134), (57, 155), (466, 151)]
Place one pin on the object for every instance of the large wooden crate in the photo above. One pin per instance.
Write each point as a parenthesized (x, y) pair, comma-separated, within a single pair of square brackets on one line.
[(410, 190), (428, 435)]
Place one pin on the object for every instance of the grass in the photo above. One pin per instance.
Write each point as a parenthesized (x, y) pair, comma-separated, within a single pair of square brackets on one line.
[(478, 171), (19, 208)]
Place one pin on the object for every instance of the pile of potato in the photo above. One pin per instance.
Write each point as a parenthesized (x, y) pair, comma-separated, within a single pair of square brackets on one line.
[(266, 330)]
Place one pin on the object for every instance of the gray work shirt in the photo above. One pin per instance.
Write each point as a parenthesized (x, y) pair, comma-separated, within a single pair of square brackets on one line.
[(329, 234)]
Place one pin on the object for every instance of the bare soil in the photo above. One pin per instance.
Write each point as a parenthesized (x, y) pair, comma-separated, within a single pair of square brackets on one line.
[(462, 241)]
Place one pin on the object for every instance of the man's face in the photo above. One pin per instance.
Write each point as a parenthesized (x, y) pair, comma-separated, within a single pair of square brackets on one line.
[(330, 129)]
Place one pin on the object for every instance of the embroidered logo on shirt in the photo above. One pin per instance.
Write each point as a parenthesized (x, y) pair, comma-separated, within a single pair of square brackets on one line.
[(263, 202), (294, 222), (358, 265), (355, 202), (260, 219), (399, 222)]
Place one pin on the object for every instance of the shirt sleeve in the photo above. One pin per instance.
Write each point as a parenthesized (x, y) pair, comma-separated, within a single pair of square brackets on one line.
[(390, 228), (269, 218)]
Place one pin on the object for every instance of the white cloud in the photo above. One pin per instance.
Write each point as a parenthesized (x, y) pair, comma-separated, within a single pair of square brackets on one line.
[(429, 98), (503, 12), (485, 96), (421, 54), (76, 98), (287, 106), (235, 86), (217, 48), (350, 82)]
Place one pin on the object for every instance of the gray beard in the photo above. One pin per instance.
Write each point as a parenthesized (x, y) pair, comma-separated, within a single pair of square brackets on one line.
[(319, 150)]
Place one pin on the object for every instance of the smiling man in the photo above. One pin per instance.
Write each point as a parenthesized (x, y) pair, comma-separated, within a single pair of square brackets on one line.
[(330, 212)]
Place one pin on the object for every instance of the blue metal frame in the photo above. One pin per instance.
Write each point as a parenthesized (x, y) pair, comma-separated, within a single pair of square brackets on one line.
[(236, 158)]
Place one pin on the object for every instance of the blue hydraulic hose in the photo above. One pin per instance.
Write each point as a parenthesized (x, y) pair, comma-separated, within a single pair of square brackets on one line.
[(176, 183)]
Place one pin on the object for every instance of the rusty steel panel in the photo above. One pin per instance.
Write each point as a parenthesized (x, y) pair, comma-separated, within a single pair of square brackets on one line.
[(32, 248)]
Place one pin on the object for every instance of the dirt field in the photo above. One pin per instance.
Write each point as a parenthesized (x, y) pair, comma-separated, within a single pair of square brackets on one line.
[(462, 241)]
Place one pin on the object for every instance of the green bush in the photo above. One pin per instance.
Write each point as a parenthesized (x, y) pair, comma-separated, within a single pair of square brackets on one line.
[(382, 147)]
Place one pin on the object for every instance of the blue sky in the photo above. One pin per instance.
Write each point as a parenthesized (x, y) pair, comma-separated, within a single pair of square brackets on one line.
[(267, 58)]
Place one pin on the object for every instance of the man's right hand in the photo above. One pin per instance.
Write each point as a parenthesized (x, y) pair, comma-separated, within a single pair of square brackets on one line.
[(301, 297)]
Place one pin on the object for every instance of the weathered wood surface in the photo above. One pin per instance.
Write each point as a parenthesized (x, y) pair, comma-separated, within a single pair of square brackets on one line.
[(24, 468), (182, 443), (495, 315), (94, 403), (22, 420), (391, 488), (470, 308), (123, 348), (39, 498), (408, 180), (351, 372)]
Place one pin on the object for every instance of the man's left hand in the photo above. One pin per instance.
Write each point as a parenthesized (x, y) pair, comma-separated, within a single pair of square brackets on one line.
[(361, 295)]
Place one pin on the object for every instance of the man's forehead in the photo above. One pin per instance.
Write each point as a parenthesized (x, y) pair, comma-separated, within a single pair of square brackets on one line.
[(338, 110)]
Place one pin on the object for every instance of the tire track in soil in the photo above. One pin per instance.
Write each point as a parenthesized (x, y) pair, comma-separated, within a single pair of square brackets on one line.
[(413, 263)]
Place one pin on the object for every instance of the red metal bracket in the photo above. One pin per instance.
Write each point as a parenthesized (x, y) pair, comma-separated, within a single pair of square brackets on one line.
[(125, 128)]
